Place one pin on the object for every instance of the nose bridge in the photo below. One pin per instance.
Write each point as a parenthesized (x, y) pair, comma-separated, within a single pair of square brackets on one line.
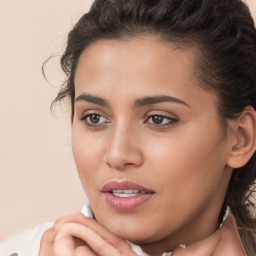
[(123, 147)]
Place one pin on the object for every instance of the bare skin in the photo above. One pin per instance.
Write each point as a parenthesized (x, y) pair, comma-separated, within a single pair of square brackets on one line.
[(125, 129), (79, 236)]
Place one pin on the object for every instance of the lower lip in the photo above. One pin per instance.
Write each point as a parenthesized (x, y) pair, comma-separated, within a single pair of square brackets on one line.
[(126, 203)]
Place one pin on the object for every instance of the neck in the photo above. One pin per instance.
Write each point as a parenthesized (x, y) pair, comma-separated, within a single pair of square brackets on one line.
[(224, 241), (199, 229)]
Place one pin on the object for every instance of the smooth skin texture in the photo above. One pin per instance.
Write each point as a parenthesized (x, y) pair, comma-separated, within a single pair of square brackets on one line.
[(125, 129), (76, 235)]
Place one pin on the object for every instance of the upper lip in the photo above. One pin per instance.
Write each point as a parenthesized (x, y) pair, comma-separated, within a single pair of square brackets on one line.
[(124, 185)]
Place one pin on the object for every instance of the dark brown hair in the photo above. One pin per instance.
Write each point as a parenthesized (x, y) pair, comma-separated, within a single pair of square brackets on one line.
[(224, 36)]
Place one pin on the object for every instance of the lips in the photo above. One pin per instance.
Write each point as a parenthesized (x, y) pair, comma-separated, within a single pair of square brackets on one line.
[(126, 195)]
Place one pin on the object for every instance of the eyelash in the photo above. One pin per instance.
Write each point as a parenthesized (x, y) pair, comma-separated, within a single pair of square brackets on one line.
[(170, 121), (84, 119)]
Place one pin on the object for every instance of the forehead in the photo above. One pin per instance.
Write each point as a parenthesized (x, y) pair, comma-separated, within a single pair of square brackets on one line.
[(145, 45), (148, 47), (123, 71), (144, 58)]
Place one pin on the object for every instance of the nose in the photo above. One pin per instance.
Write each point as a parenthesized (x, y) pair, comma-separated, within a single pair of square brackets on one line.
[(123, 150)]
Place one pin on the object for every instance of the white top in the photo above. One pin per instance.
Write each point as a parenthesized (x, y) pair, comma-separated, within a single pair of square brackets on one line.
[(27, 243)]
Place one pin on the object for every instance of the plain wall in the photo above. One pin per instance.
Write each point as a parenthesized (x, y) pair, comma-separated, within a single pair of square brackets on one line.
[(38, 180)]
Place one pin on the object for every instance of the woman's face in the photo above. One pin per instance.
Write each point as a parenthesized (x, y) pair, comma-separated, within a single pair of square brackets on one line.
[(147, 142)]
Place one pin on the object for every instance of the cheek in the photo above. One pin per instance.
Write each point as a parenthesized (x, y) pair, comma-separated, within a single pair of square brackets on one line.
[(188, 158), (88, 154), (186, 172)]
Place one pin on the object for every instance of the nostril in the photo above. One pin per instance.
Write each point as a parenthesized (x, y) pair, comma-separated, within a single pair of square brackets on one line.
[(128, 164), (122, 155), (119, 166)]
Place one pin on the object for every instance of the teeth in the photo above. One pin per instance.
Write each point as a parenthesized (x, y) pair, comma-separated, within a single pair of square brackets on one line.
[(127, 192), (124, 195)]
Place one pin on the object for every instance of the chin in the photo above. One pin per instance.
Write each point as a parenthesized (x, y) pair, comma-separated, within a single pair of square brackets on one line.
[(137, 234), (135, 238), (134, 227)]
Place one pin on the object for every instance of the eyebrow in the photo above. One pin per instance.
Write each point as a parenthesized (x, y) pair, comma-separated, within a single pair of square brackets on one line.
[(92, 99), (138, 103), (158, 99)]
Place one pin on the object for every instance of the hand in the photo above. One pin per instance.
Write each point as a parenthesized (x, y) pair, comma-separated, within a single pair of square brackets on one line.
[(77, 235)]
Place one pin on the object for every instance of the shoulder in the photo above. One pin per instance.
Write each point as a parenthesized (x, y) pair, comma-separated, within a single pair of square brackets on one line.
[(25, 243)]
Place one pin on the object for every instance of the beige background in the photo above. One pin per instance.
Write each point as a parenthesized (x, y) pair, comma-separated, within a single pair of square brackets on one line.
[(38, 180)]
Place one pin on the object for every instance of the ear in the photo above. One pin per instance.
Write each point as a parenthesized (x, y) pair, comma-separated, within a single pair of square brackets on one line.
[(243, 138)]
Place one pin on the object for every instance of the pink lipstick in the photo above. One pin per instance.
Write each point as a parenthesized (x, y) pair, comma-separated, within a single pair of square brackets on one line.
[(125, 195)]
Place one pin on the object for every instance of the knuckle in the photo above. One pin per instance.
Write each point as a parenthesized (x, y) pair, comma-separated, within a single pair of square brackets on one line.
[(76, 218), (123, 248), (54, 234), (60, 221), (124, 251), (127, 249), (102, 246), (49, 236)]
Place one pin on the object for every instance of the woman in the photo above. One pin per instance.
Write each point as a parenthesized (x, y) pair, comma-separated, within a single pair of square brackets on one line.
[(163, 98)]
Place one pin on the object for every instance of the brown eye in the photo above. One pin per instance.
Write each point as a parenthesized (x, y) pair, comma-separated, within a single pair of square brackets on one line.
[(161, 120), (157, 119), (94, 119)]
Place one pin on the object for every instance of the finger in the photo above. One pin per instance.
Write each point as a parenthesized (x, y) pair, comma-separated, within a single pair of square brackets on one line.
[(106, 235), (72, 247), (46, 243), (69, 218), (97, 244), (50, 246), (79, 218), (84, 251), (92, 224)]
